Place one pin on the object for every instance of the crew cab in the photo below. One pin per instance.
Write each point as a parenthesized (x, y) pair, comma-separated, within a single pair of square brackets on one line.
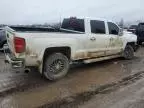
[(78, 39)]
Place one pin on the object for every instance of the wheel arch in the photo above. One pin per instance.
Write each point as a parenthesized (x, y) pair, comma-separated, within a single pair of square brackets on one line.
[(48, 51), (132, 44)]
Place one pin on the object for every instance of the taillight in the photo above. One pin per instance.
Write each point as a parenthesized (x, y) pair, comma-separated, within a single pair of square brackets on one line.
[(19, 44)]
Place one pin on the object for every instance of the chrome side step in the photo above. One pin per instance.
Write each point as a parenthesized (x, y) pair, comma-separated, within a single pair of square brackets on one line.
[(101, 59)]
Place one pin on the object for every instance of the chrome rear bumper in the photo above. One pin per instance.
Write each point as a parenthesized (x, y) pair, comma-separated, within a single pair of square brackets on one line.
[(15, 63)]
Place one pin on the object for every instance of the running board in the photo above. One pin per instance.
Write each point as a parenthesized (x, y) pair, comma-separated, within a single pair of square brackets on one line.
[(101, 59)]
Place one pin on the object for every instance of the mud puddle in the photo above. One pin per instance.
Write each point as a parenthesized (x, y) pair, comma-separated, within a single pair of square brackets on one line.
[(31, 90), (74, 101)]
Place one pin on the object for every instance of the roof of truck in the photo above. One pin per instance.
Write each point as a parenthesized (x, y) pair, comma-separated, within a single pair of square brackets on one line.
[(101, 19), (92, 18)]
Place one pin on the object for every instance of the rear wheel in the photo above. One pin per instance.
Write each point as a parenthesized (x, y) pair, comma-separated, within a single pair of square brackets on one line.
[(128, 52), (56, 66)]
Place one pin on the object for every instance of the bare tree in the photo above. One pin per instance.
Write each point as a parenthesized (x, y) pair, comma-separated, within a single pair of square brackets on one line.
[(121, 23)]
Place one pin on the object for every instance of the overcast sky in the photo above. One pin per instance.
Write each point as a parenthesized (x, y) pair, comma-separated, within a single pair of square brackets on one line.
[(41, 11)]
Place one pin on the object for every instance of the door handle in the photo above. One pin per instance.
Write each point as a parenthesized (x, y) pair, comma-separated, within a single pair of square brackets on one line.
[(92, 38)]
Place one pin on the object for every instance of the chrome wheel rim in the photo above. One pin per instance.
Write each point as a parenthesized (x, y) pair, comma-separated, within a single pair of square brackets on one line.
[(56, 66)]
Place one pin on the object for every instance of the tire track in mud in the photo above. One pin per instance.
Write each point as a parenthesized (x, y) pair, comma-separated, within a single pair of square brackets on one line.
[(20, 86), (78, 99), (12, 81)]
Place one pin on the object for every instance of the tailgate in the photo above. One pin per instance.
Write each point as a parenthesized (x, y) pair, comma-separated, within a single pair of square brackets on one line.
[(10, 37)]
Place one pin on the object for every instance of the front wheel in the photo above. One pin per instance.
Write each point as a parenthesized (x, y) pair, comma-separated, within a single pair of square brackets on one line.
[(128, 52), (56, 66)]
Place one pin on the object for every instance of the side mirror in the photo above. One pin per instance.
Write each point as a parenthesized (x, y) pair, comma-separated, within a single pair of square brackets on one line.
[(120, 32)]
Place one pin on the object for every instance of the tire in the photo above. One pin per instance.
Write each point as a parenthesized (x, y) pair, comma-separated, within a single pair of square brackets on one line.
[(128, 52), (56, 66)]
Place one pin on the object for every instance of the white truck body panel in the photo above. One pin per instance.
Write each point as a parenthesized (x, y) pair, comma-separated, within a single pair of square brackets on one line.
[(84, 46)]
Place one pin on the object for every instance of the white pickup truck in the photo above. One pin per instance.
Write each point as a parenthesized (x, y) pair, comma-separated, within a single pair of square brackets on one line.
[(78, 39)]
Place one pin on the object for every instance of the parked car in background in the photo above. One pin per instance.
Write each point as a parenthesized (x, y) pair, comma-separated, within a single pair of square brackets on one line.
[(132, 28), (140, 33), (79, 39), (2, 38)]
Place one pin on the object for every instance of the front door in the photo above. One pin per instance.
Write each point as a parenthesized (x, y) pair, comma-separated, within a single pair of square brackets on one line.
[(115, 41)]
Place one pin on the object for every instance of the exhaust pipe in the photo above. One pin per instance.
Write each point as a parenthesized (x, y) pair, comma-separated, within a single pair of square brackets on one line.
[(27, 70)]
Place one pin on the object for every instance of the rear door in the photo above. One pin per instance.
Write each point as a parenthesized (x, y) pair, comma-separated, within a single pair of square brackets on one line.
[(78, 28), (115, 41), (97, 40)]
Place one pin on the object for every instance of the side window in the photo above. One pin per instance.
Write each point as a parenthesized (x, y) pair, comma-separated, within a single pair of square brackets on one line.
[(113, 28), (97, 26), (73, 24)]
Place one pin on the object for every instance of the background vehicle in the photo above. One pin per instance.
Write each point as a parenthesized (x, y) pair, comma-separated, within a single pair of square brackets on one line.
[(2, 38), (132, 28), (79, 39), (140, 33)]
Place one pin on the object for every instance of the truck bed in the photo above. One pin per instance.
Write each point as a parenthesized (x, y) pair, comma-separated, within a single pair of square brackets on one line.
[(40, 29)]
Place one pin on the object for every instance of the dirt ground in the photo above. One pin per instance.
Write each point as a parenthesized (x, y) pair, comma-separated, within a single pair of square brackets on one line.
[(78, 89), (130, 96)]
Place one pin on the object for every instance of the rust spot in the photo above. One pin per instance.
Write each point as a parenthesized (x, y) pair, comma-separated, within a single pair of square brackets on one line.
[(31, 53), (80, 55), (115, 42), (39, 62), (95, 54), (28, 51), (21, 54), (88, 55)]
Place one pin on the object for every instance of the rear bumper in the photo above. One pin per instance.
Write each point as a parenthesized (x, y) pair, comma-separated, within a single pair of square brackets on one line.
[(15, 63)]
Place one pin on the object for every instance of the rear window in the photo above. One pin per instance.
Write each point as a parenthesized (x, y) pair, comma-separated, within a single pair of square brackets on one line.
[(73, 24), (97, 27)]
